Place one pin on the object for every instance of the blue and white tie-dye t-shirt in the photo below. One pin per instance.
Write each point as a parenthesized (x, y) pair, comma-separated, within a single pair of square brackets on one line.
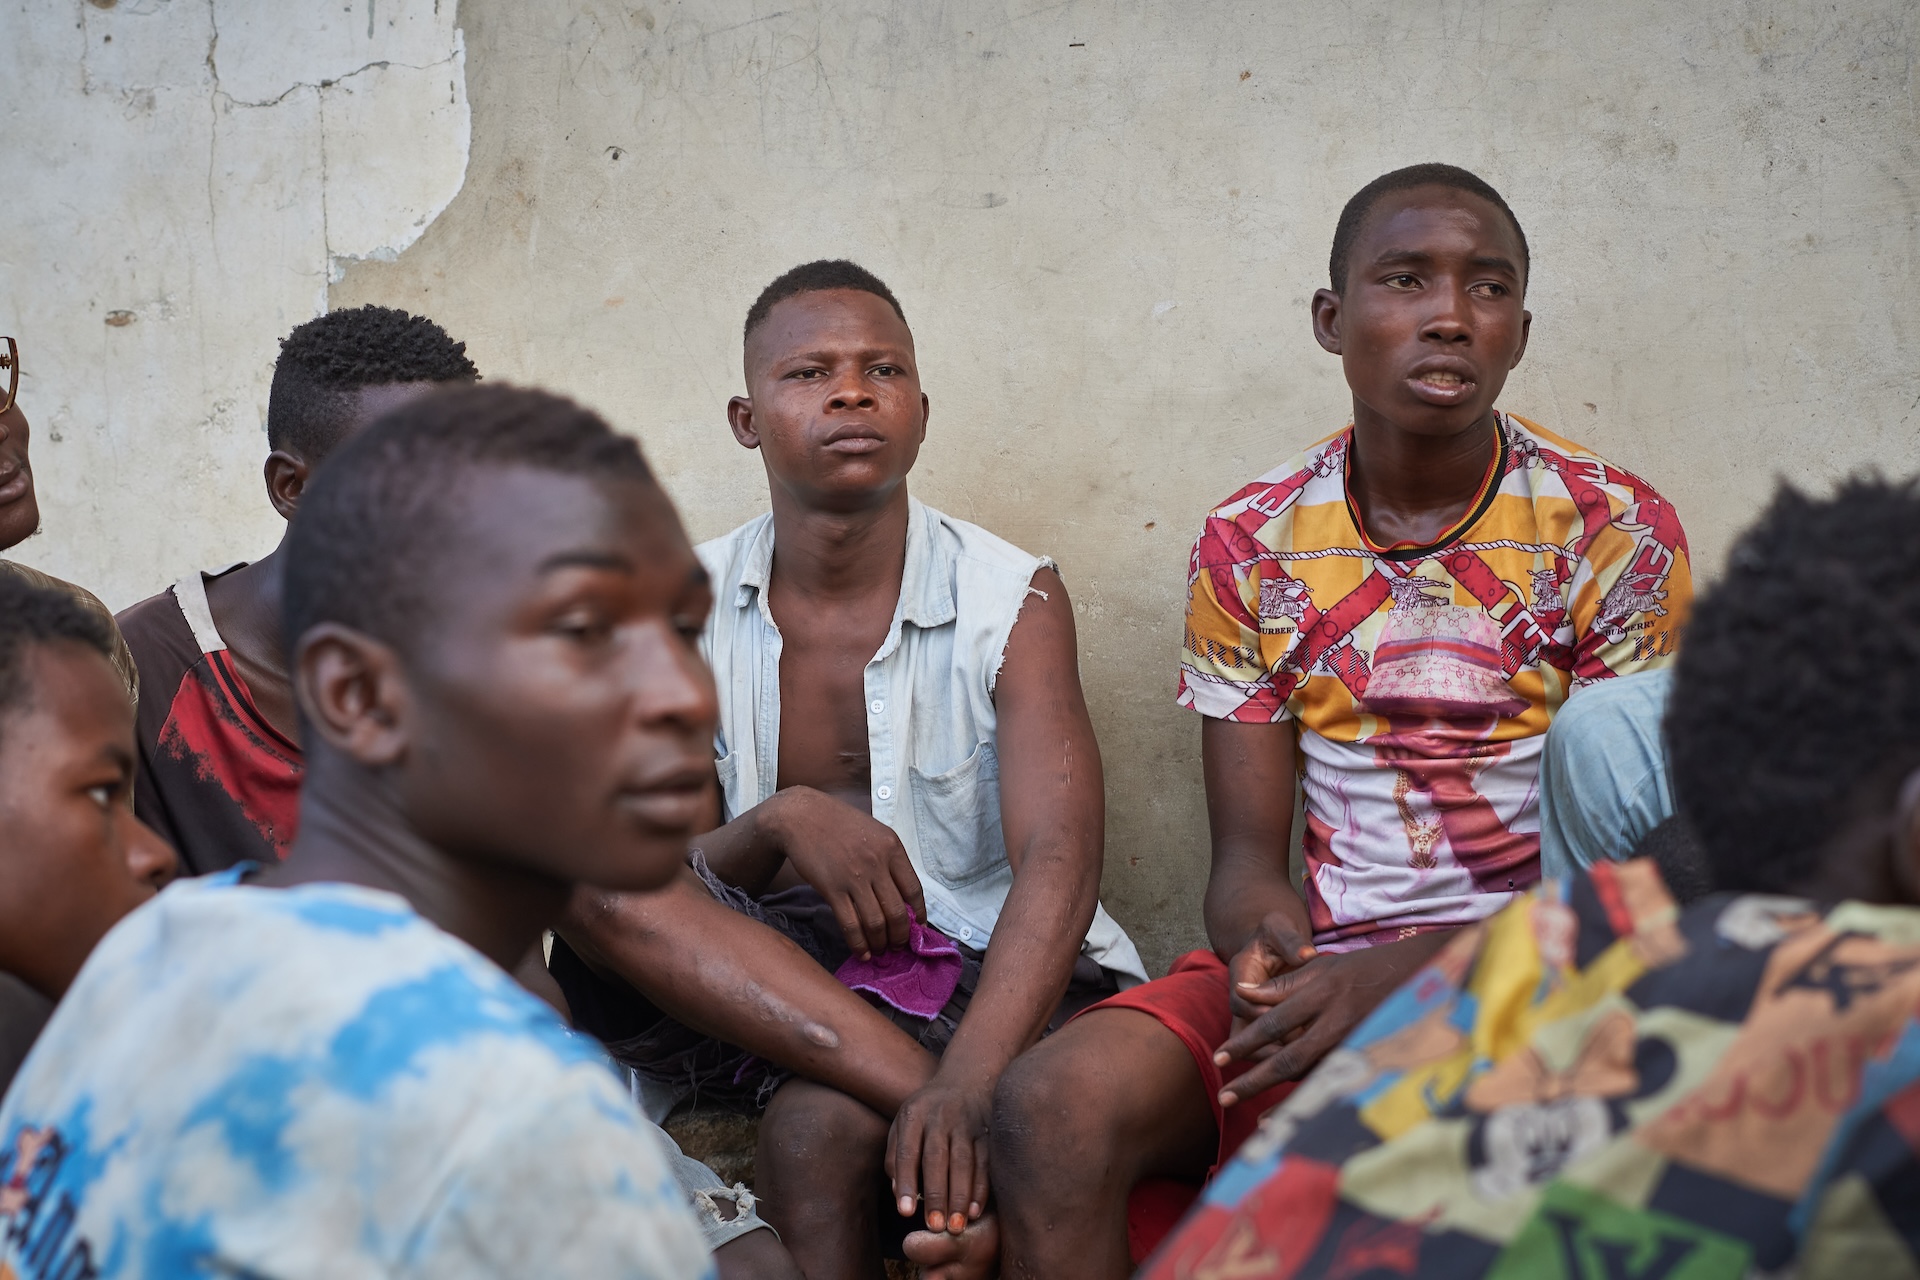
[(317, 1082)]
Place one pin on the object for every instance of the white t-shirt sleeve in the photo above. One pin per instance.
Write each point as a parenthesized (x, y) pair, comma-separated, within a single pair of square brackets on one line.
[(562, 1187)]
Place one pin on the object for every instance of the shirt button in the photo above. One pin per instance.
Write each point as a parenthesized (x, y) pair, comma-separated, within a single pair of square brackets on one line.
[(966, 934), (884, 792), (876, 706)]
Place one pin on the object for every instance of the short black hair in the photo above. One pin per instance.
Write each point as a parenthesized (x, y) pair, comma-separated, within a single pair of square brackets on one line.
[(33, 616), (1354, 216), (816, 277), (376, 526), (328, 358), (1799, 681)]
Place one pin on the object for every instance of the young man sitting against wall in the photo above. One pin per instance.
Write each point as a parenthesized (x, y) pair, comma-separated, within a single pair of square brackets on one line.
[(1597, 1083), (913, 801), (1390, 620), (220, 761)]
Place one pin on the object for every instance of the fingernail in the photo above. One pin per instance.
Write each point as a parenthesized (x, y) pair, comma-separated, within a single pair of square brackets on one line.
[(906, 1206), (973, 1210), (1227, 1098), (958, 1223), (937, 1220), (1248, 986), (1221, 1059)]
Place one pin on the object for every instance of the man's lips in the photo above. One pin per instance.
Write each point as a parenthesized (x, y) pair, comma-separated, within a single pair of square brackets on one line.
[(854, 439), (16, 482), (671, 800), (1442, 384)]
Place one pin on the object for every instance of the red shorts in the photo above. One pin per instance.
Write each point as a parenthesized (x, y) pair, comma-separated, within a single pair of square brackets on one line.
[(1191, 1002)]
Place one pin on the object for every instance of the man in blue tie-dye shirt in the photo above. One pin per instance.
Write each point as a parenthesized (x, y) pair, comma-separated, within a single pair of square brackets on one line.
[(323, 1069)]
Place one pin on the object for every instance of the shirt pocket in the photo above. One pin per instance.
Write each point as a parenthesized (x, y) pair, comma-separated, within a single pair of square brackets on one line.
[(728, 768), (956, 819)]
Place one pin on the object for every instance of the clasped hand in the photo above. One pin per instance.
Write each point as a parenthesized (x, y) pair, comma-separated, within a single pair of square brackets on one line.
[(1293, 1004), (854, 861)]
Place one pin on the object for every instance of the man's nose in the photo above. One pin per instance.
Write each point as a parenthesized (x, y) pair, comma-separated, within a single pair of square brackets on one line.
[(1451, 319), (150, 860), (850, 391), (676, 688)]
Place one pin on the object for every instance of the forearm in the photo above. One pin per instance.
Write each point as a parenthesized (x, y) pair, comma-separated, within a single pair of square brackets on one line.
[(739, 981), (745, 853), (1029, 961), (1241, 892)]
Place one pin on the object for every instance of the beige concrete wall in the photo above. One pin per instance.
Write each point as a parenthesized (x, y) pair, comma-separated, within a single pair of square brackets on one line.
[(1104, 221)]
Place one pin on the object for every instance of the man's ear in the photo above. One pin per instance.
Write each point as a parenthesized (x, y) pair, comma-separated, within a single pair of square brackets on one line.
[(354, 694), (1904, 844), (286, 481), (1526, 331), (1326, 319), (740, 418), (926, 412)]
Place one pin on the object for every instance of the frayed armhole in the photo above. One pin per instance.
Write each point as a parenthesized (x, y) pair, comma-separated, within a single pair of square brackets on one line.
[(1046, 562)]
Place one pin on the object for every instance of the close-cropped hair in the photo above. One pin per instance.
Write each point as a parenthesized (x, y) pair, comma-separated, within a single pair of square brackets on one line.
[(328, 358), (818, 277), (33, 616), (1453, 177), (369, 545), (1798, 687)]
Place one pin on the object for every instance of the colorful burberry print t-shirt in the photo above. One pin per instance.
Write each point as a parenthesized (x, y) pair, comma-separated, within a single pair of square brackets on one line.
[(1422, 679), (1595, 1084), (317, 1082)]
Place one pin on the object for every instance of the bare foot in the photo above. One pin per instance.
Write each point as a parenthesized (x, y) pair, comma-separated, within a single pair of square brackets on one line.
[(974, 1254)]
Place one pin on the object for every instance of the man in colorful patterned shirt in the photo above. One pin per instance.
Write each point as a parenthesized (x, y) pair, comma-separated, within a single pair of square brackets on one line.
[(321, 1067), (1390, 621), (1595, 1083)]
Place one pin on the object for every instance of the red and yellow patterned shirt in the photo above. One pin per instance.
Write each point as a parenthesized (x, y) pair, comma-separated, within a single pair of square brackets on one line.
[(1423, 679)]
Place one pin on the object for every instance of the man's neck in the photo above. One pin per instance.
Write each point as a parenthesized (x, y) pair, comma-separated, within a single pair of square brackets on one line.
[(352, 832), (246, 611), (1413, 487), (839, 555)]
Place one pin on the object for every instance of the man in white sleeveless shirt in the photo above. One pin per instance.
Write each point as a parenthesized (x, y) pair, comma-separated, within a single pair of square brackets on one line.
[(913, 807)]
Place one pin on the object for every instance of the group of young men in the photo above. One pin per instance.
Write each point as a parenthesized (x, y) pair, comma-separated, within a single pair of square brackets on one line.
[(500, 819)]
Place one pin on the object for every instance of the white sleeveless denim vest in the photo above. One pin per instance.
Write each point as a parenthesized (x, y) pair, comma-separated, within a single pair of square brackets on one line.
[(930, 713)]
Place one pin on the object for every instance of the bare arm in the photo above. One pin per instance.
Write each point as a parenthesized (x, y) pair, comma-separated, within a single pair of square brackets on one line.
[(1251, 782), (1291, 1005), (1053, 813), (683, 950)]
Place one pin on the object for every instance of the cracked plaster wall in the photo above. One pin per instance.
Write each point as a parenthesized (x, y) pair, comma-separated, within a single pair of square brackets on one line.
[(1104, 220), (183, 180)]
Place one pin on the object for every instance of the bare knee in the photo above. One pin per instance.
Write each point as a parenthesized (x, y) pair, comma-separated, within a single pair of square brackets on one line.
[(1116, 1095), (1049, 1109), (812, 1132)]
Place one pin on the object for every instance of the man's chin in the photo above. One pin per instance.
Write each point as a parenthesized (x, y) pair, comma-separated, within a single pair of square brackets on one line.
[(18, 522)]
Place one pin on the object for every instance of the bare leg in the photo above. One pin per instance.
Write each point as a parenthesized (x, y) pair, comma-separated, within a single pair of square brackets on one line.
[(733, 978), (820, 1179), (755, 1256), (1110, 1099)]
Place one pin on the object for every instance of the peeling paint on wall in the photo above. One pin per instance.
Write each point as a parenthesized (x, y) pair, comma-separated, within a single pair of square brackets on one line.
[(185, 179)]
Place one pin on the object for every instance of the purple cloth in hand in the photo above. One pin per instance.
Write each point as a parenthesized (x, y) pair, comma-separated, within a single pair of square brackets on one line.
[(918, 979)]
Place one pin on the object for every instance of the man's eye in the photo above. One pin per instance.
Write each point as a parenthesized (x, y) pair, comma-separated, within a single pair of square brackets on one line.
[(689, 627), (1401, 282), (807, 375), (886, 370), (584, 628), (1488, 289), (102, 795)]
